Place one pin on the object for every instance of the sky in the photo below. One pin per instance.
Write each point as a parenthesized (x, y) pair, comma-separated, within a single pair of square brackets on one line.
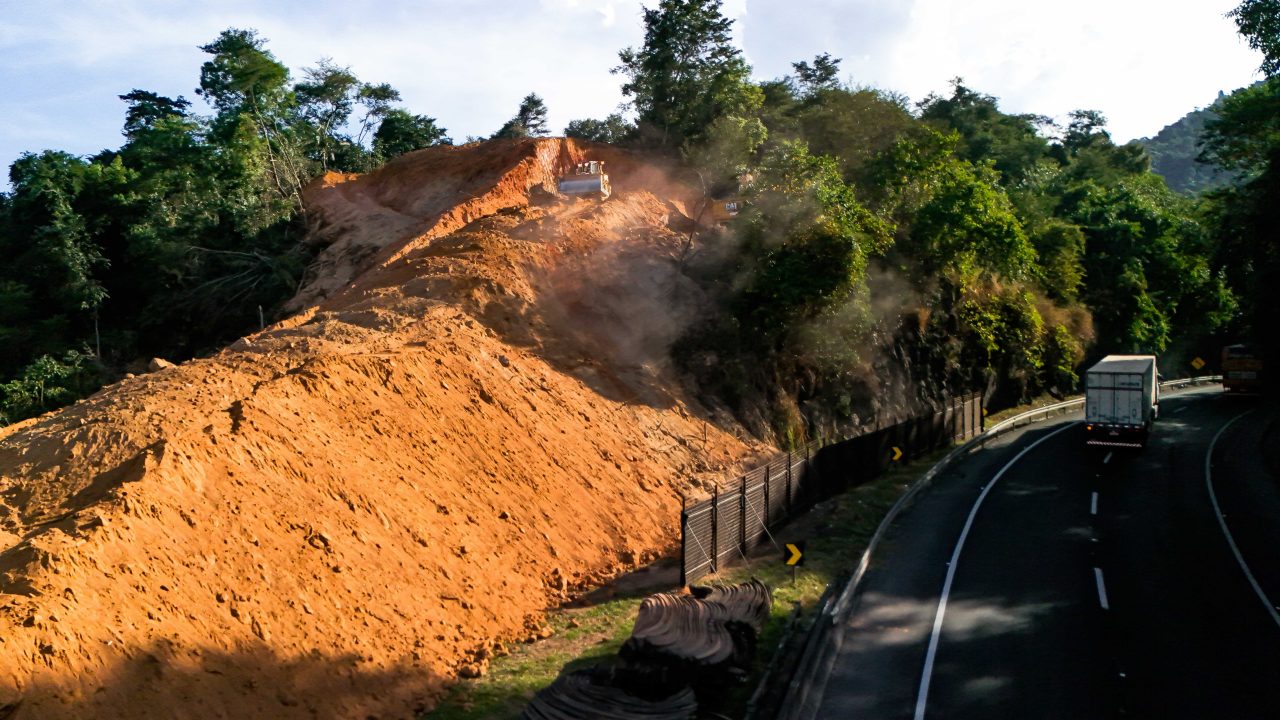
[(1143, 63)]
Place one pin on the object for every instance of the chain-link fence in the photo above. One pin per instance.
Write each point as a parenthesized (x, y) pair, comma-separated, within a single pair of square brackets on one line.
[(720, 529)]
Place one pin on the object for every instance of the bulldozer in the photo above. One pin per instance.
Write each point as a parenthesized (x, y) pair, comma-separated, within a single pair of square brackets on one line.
[(724, 210), (587, 178)]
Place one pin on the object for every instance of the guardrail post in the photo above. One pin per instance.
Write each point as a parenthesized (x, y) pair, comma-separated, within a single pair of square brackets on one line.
[(742, 516), (715, 529)]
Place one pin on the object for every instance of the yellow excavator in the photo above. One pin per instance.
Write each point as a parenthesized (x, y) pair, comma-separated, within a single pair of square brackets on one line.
[(587, 178)]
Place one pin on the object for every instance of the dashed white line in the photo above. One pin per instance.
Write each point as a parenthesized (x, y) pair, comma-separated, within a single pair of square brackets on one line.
[(922, 698), (1217, 511), (1107, 459), (1102, 589), (1093, 504)]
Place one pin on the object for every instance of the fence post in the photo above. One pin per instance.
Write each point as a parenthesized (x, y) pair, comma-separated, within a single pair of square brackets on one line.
[(684, 540), (765, 514), (957, 430), (787, 504), (979, 403), (742, 516), (715, 529)]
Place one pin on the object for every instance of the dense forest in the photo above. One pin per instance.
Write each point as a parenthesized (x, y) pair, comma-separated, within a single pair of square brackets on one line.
[(944, 245)]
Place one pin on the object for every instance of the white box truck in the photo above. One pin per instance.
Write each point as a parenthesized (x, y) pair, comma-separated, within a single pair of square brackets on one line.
[(1121, 400)]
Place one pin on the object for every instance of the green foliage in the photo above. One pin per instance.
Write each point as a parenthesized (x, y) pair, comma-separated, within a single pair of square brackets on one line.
[(530, 119), (1245, 134), (613, 129), (966, 222), (1060, 247), (1243, 218), (1259, 22), (1010, 143), (727, 151), (853, 126), (1005, 328), (807, 239), (823, 74), (1060, 355), (401, 132), (170, 244), (687, 73), (46, 384), (325, 99), (950, 214), (1020, 253)]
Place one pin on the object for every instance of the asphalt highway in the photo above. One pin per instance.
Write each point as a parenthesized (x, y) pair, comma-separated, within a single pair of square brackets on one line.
[(1040, 578)]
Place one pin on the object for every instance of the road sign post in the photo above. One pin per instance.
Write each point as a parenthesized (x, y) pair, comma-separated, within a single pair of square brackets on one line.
[(793, 556)]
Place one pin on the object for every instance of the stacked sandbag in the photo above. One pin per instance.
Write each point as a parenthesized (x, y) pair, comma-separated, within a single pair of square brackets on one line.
[(588, 694)]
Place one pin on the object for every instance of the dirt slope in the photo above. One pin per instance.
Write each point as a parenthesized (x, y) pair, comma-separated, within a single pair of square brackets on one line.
[(469, 415)]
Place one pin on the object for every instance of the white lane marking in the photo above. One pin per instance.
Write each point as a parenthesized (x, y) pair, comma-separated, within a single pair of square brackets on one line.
[(1093, 504), (1102, 589), (1107, 459), (1217, 511), (922, 698)]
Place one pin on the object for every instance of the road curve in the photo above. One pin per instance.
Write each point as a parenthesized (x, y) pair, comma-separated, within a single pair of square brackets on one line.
[(1038, 578)]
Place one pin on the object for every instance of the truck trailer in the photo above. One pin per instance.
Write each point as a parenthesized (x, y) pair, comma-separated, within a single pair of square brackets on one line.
[(1122, 400)]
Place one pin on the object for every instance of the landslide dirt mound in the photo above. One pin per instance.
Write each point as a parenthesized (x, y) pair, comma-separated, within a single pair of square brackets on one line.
[(470, 416)]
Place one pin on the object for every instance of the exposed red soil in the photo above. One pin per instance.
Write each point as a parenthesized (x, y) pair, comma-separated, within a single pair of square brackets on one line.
[(470, 417)]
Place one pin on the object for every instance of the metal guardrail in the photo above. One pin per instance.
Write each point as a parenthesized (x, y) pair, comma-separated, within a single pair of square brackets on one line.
[(820, 651)]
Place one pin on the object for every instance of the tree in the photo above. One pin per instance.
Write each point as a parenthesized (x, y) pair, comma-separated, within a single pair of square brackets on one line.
[(1259, 22), (687, 73), (822, 75), (1086, 129), (326, 96), (242, 76), (45, 384), (1009, 142), (530, 119), (402, 132), (249, 89), (1060, 247), (807, 240), (613, 129), (147, 110), (852, 126), (1245, 134), (376, 100)]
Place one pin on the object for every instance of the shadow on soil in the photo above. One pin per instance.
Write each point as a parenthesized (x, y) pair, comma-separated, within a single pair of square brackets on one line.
[(156, 682)]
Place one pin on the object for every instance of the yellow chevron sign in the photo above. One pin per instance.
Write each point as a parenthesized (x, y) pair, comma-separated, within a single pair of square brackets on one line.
[(897, 453), (795, 554)]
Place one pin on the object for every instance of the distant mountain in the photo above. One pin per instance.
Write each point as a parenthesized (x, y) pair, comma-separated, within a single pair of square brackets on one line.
[(1174, 150)]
